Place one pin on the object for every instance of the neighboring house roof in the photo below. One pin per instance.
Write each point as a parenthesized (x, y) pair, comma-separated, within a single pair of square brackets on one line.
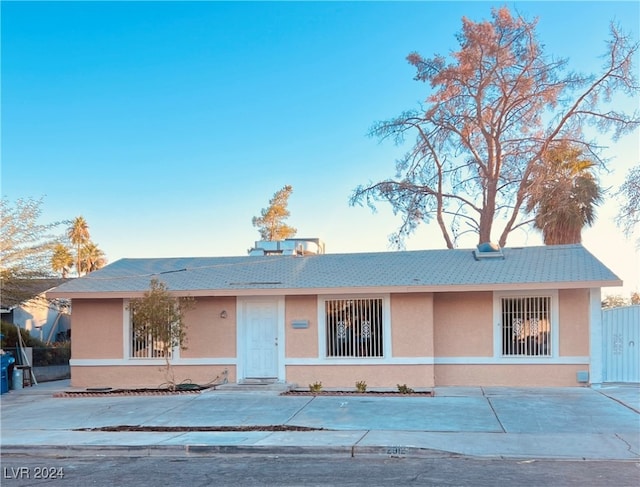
[(18, 291), (545, 267)]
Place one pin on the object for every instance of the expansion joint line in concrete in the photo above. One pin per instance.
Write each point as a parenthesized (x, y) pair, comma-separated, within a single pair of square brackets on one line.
[(629, 447), (299, 410), (618, 401), (353, 447), (493, 410)]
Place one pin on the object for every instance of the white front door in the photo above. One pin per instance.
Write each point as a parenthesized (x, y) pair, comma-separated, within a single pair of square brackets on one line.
[(261, 339)]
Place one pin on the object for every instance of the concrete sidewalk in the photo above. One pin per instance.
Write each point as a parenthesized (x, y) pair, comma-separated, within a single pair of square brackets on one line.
[(559, 423)]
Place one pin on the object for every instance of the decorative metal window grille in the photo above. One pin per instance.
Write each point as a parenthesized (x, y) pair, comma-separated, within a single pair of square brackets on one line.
[(144, 345), (526, 326), (354, 327)]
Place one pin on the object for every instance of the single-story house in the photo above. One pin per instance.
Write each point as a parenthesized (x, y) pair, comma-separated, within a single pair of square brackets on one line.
[(23, 303), (526, 316)]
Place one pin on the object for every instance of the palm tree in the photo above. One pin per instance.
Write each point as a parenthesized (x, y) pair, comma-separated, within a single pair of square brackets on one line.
[(61, 260), (79, 235), (91, 258), (563, 195)]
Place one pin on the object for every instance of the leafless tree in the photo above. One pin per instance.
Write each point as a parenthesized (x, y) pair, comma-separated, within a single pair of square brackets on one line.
[(492, 112)]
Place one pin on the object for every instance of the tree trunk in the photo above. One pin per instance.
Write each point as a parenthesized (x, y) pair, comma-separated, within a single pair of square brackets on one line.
[(487, 214)]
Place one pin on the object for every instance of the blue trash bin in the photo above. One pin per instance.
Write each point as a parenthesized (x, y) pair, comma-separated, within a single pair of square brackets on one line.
[(6, 359), (4, 380)]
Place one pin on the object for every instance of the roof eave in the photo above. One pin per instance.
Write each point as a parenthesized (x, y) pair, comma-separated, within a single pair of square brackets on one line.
[(346, 290)]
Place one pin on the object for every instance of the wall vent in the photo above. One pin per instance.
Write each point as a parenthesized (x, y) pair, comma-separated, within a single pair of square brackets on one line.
[(582, 376)]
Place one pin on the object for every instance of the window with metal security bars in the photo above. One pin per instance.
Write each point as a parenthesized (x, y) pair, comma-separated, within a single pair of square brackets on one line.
[(144, 345), (526, 326), (354, 327)]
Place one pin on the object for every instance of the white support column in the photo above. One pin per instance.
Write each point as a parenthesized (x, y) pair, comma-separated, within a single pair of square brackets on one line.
[(595, 337), (126, 330), (282, 340)]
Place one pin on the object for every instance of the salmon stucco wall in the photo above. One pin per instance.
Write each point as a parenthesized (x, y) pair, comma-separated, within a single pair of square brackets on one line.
[(211, 328), (463, 324), (301, 342), (574, 322), (509, 375), (148, 376), (451, 328), (345, 376), (97, 328), (412, 325)]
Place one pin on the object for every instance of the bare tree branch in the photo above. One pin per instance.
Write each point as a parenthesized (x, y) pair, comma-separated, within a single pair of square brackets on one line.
[(491, 114)]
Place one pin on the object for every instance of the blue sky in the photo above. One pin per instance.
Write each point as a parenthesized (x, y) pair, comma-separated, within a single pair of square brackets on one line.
[(168, 126)]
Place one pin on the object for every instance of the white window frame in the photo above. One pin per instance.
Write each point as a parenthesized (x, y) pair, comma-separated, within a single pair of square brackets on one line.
[(127, 339), (497, 329), (386, 330)]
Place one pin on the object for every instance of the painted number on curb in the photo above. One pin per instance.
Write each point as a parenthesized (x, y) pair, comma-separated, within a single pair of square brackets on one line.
[(396, 451)]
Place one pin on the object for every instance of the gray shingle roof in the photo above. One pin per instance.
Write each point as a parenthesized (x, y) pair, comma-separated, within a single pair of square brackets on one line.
[(538, 267), (18, 291)]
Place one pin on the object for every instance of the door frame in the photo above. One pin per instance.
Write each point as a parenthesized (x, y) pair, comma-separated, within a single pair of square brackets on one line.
[(242, 333)]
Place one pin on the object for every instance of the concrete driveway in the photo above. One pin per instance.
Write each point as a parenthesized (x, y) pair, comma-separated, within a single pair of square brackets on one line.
[(572, 423)]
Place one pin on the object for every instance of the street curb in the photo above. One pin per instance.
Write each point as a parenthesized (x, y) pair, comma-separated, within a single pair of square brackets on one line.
[(268, 450), (92, 450), (204, 450), (58, 451)]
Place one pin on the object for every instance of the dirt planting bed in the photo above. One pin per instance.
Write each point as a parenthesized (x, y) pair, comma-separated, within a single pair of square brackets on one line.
[(356, 393), (107, 391)]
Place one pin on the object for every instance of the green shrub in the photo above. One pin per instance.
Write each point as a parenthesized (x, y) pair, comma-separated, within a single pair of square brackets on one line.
[(361, 386), (315, 387), (51, 356), (43, 356), (10, 337), (404, 389)]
